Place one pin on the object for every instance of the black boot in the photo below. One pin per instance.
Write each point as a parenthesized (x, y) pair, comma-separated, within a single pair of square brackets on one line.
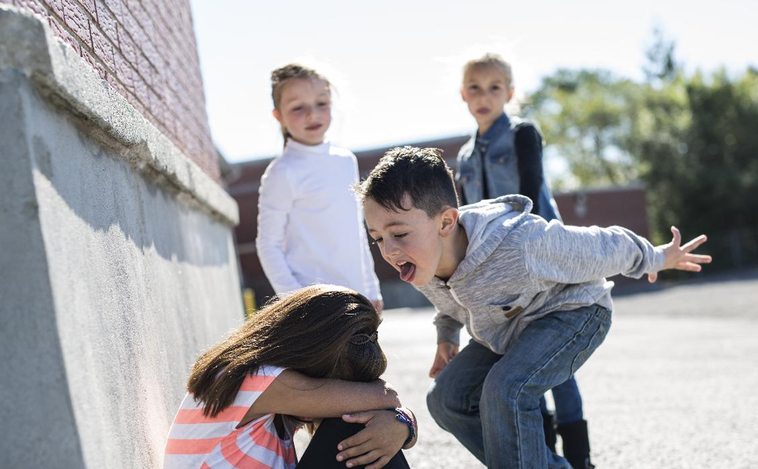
[(548, 424), (576, 444)]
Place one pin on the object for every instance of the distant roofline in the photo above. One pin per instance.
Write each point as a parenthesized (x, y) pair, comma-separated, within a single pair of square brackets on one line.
[(604, 188), (365, 152)]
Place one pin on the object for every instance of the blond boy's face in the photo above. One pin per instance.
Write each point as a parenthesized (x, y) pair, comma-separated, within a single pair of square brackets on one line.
[(486, 91), (409, 241)]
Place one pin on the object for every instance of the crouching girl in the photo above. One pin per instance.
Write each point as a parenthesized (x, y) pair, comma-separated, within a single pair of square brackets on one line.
[(307, 358)]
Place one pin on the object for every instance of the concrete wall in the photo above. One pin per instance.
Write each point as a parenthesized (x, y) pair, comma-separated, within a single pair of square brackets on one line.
[(117, 264)]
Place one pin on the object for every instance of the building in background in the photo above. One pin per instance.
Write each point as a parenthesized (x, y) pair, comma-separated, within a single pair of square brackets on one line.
[(118, 263), (623, 206)]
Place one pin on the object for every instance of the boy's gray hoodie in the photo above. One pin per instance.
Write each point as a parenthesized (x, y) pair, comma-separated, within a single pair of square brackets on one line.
[(519, 268)]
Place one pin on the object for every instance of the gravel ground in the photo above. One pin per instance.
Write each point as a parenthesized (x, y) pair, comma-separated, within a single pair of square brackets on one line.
[(673, 386)]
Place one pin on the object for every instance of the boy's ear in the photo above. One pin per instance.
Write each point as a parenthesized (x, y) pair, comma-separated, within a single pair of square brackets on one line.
[(510, 94), (276, 115), (463, 95), (449, 220)]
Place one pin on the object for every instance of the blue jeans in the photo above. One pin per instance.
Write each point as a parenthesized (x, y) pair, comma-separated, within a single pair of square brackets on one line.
[(568, 402), (490, 402)]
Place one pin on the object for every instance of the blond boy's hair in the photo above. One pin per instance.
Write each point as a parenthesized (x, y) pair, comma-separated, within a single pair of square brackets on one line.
[(487, 62)]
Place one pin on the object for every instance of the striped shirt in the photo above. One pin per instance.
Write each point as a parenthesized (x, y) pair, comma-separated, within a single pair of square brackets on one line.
[(196, 441)]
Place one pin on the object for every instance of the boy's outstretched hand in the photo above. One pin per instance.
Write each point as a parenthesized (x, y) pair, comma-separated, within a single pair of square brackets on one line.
[(678, 257), (445, 352)]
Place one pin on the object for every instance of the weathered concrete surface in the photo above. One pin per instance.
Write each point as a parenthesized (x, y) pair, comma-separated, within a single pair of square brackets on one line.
[(673, 386), (117, 265)]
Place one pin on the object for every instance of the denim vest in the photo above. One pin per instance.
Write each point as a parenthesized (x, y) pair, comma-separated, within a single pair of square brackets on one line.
[(500, 168)]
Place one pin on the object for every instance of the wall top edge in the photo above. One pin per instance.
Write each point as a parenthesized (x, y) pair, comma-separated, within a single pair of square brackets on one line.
[(59, 74)]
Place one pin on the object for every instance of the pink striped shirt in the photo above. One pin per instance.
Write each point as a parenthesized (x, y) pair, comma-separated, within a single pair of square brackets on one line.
[(195, 441)]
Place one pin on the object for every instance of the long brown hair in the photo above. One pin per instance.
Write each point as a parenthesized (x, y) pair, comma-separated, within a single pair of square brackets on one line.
[(323, 331), (282, 75)]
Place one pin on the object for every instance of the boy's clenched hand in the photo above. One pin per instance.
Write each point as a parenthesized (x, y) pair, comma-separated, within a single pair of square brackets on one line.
[(678, 257), (445, 352)]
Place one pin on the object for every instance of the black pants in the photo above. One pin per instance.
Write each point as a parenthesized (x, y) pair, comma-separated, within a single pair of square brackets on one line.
[(322, 450)]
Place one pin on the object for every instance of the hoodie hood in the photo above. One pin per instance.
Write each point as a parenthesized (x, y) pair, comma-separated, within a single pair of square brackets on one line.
[(486, 224)]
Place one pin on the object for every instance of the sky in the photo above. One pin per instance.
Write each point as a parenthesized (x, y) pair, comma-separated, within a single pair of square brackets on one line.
[(396, 65)]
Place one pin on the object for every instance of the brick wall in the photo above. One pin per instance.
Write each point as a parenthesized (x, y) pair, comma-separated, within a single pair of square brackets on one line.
[(146, 50)]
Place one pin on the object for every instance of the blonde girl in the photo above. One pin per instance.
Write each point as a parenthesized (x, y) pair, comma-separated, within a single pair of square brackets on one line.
[(310, 226)]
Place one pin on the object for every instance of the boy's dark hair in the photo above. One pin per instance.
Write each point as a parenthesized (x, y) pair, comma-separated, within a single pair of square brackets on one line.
[(419, 172)]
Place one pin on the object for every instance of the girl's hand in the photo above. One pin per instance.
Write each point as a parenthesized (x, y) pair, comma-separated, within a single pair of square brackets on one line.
[(445, 352), (678, 257), (376, 444)]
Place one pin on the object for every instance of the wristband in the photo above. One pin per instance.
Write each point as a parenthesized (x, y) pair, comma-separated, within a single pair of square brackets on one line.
[(403, 416)]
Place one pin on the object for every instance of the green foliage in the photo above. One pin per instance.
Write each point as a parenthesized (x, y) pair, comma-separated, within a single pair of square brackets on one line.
[(585, 114), (692, 140)]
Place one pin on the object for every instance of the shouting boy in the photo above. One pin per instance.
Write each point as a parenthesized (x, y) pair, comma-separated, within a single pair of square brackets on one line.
[(532, 295)]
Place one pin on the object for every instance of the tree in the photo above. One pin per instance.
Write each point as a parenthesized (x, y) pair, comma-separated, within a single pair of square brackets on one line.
[(692, 140), (586, 115)]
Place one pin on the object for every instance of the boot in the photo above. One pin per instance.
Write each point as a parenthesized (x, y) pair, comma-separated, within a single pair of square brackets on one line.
[(576, 444), (548, 424)]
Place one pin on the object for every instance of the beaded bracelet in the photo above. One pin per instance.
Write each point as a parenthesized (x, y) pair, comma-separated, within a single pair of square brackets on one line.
[(403, 416)]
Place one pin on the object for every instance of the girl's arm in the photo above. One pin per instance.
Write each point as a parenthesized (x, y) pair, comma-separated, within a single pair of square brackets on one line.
[(275, 202), (293, 393), (529, 157)]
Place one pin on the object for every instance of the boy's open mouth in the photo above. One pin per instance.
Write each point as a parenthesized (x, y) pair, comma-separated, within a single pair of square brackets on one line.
[(407, 271)]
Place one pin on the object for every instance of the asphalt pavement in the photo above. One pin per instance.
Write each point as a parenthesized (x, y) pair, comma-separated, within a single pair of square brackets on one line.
[(675, 385)]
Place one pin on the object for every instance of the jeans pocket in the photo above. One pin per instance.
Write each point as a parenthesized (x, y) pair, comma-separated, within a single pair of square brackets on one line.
[(595, 341)]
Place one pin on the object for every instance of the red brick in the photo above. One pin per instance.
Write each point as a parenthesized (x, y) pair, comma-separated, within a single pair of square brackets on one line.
[(116, 84), (160, 86), (77, 20), (89, 5), (144, 69), (124, 71), (142, 92), (95, 63), (152, 55), (115, 7), (107, 22), (157, 108), (144, 20), (62, 33), (128, 22), (137, 33), (169, 123), (103, 48), (173, 82), (153, 13), (35, 6), (162, 10), (134, 101), (57, 7), (127, 46)]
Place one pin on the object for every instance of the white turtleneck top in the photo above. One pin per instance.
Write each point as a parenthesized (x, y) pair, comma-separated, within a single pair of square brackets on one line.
[(310, 225)]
